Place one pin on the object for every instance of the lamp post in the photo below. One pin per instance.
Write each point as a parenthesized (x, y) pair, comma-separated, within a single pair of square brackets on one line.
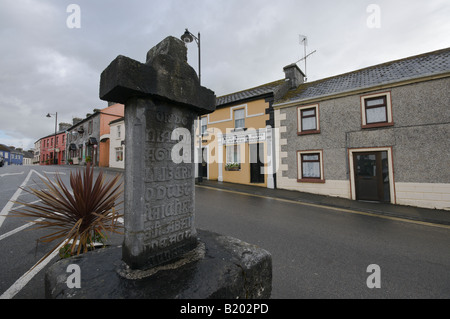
[(55, 159), (188, 37)]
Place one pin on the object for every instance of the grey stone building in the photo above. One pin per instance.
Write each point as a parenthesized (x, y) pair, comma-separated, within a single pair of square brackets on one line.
[(379, 134), (83, 139)]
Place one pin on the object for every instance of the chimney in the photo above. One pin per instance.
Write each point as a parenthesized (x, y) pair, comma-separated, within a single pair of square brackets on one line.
[(64, 126), (293, 75), (76, 120)]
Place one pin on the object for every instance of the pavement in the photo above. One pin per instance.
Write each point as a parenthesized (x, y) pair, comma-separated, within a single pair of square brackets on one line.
[(434, 216)]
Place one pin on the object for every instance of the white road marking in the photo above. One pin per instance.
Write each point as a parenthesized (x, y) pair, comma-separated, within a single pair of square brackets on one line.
[(55, 173), (22, 281), (10, 174), (10, 203), (18, 229)]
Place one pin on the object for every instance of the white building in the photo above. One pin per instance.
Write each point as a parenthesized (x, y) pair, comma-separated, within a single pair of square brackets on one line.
[(37, 151), (117, 143)]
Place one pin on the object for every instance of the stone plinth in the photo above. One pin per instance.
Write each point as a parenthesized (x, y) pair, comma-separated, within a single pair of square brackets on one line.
[(220, 267)]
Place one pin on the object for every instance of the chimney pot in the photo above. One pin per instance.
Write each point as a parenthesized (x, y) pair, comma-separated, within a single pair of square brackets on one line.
[(293, 75)]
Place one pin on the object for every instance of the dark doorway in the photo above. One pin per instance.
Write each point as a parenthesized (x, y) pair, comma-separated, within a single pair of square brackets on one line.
[(203, 166), (371, 176), (256, 165)]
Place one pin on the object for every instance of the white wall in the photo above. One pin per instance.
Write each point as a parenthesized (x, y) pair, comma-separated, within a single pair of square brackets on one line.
[(115, 142)]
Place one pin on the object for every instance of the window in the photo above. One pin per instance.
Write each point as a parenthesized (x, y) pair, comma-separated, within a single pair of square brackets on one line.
[(310, 166), (119, 154), (90, 127), (233, 156), (118, 131), (376, 110), (204, 121), (308, 119), (239, 118)]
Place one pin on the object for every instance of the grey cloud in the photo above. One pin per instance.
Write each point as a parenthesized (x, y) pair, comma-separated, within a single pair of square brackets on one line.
[(47, 67)]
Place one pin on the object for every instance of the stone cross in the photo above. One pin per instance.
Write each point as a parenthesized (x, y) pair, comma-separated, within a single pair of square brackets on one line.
[(162, 98)]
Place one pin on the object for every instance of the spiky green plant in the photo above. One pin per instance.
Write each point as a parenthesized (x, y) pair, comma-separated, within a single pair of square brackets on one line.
[(80, 216)]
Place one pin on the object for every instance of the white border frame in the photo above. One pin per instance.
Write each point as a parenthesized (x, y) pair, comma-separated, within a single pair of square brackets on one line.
[(299, 118), (299, 168), (388, 109), (351, 151)]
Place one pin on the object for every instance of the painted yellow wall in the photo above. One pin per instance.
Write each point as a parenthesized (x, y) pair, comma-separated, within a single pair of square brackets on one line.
[(222, 121)]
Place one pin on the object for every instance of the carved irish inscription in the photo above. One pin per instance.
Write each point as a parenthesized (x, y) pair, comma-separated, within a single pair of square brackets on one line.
[(168, 192), (163, 179)]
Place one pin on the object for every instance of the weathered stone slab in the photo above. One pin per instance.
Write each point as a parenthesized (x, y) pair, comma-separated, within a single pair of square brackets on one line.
[(221, 267), (165, 75)]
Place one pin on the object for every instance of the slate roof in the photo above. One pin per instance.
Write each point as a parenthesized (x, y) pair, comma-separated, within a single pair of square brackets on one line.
[(248, 94), (4, 148), (423, 65)]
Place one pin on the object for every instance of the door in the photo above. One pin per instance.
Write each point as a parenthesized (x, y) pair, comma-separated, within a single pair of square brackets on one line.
[(204, 164), (371, 176), (256, 165)]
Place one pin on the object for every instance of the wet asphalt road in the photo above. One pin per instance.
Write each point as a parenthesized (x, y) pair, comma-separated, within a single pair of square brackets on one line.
[(317, 252)]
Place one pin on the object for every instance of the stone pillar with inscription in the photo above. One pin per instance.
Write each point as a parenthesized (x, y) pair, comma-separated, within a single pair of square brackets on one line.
[(163, 254), (162, 99)]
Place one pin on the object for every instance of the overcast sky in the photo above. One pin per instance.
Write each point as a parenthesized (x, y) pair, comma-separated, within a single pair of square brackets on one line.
[(47, 67)]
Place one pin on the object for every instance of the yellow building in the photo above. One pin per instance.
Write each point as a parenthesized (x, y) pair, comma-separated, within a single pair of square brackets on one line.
[(238, 139)]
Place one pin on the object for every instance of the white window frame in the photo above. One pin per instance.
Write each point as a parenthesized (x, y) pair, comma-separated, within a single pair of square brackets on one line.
[(203, 125), (233, 154), (387, 149), (389, 120), (235, 112), (119, 151), (300, 177), (300, 129)]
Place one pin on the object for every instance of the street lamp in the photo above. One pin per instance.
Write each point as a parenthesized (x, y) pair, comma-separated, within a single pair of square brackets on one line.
[(55, 159), (188, 37)]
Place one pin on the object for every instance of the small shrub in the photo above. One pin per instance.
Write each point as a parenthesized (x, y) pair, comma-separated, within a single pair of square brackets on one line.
[(80, 218)]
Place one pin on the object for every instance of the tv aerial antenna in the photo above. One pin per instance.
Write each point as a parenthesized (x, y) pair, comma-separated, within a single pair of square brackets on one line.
[(303, 39)]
